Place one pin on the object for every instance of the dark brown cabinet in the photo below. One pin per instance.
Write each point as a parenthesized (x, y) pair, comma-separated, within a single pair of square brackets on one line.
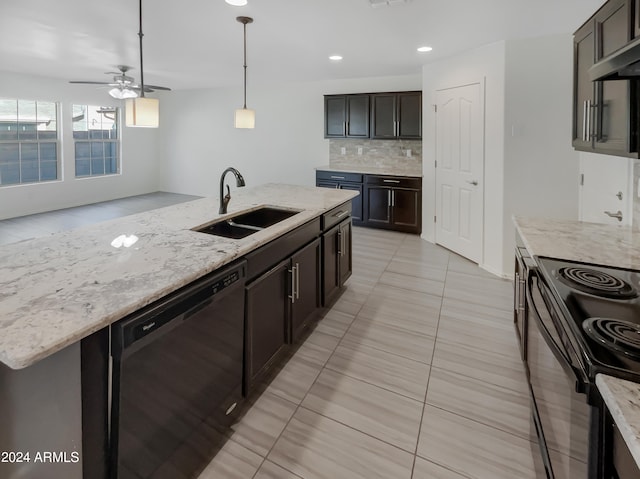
[(344, 181), (605, 112), (265, 321), (305, 269), (337, 259), (346, 116), (396, 115), (393, 203), (282, 295)]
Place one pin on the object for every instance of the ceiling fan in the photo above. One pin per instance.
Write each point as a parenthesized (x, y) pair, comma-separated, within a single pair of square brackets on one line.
[(123, 85)]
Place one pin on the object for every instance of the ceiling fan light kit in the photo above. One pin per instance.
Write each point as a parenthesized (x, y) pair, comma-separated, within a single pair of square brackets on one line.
[(122, 93), (245, 117)]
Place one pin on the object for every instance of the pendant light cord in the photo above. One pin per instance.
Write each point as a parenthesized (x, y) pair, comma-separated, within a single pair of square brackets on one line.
[(140, 35), (245, 65)]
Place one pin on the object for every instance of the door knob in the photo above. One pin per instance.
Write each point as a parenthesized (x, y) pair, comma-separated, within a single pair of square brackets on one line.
[(619, 195), (472, 182), (617, 214)]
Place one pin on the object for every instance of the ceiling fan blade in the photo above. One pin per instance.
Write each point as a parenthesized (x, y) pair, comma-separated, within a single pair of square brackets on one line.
[(90, 82), (156, 87)]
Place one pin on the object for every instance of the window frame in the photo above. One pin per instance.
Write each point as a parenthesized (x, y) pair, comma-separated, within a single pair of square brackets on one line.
[(38, 142), (92, 142)]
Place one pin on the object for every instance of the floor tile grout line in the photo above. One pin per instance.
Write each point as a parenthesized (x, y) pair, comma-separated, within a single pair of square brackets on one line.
[(426, 391)]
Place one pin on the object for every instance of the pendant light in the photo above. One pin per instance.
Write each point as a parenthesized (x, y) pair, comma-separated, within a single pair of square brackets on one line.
[(142, 111), (245, 118)]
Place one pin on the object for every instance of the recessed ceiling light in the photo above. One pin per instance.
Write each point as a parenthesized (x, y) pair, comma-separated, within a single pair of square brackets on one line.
[(335, 58), (424, 49), (237, 3)]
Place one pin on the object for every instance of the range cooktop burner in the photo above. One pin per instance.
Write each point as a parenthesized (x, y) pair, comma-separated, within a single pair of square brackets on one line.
[(596, 282), (616, 334)]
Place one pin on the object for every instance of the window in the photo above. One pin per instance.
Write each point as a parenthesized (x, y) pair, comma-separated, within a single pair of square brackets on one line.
[(95, 132), (28, 141)]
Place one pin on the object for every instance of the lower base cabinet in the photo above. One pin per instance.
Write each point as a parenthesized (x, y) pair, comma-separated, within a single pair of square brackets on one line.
[(388, 202), (279, 305), (336, 257), (266, 306), (305, 285)]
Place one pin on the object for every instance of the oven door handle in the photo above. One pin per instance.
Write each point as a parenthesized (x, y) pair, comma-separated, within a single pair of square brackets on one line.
[(560, 354)]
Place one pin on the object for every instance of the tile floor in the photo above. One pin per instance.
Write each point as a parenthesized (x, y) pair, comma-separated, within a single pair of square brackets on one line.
[(413, 373)]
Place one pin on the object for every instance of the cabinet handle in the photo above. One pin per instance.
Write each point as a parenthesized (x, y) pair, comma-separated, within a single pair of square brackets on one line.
[(344, 128), (347, 128), (389, 197), (522, 294), (340, 214), (344, 244), (297, 267), (292, 297), (337, 177), (589, 110), (339, 243), (391, 181), (516, 293), (584, 120)]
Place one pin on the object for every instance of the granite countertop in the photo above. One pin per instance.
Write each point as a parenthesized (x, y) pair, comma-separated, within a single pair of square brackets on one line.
[(395, 170), (58, 289), (610, 245), (623, 401)]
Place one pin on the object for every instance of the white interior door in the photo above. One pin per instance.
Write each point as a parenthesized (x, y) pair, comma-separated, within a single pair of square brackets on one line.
[(460, 170), (606, 186)]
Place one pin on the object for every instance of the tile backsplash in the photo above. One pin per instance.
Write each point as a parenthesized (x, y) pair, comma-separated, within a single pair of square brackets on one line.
[(344, 153)]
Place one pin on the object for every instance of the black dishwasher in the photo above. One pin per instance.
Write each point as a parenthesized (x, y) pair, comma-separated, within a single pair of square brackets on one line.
[(177, 378)]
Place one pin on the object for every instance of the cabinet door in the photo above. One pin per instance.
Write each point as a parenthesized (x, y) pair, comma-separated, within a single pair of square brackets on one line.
[(378, 205), (611, 109), (330, 271), (356, 203), (344, 251), (383, 116), (406, 214), (266, 320), (357, 116), (335, 116), (583, 88), (305, 265), (410, 115)]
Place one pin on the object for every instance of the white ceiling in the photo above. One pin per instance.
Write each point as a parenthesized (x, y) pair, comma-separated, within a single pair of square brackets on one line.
[(198, 43)]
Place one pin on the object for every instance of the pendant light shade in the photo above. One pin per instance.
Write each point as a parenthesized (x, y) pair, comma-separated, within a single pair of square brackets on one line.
[(245, 118), (141, 111)]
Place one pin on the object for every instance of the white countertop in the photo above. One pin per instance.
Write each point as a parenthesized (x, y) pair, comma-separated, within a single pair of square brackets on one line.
[(596, 243), (623, 401), (58, 289), (609, 245), (395, 170)]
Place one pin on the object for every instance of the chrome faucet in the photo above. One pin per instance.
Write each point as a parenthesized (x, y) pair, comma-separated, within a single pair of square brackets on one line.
[(224, 200)]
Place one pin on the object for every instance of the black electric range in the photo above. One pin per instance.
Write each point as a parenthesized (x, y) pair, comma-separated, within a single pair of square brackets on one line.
[(601, 306)]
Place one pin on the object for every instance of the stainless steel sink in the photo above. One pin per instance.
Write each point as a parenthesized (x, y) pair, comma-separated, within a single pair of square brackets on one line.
[(245, 224), (263, 217)]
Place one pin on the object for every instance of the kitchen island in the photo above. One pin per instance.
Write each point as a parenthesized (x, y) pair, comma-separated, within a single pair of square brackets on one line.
[(605, 245), (61, 293)]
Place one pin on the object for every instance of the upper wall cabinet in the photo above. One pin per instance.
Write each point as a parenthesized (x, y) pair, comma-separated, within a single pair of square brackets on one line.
[(605, 113), (346, 116), (396, 115)]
